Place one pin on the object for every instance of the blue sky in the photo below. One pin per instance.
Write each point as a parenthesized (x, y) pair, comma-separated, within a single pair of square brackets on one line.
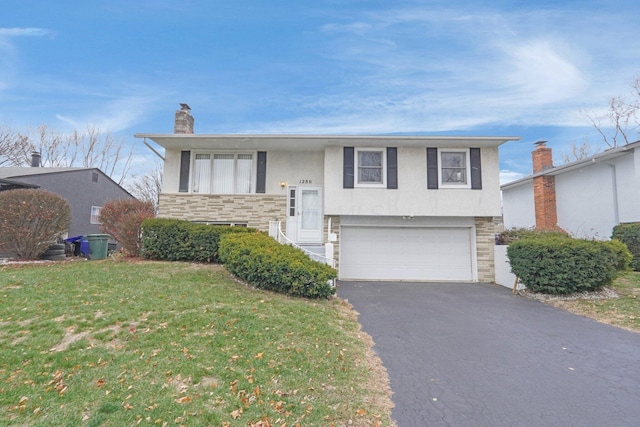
[(522, 68)]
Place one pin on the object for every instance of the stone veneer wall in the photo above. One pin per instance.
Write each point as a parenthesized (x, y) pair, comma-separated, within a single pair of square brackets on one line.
[(256, 210), (485, 241), (335, 228)]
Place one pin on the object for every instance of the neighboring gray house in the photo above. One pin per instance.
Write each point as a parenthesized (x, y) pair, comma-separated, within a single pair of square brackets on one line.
[(10, 184), (586, 198), (85, 189), (384, 207)]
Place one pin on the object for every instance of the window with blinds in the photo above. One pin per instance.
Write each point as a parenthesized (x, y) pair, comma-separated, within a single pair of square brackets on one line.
[(222, 173)]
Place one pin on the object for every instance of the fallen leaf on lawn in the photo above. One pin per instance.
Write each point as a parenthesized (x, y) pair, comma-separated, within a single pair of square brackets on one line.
[(184, 399), (361, 412), (258, 356), (236, 414)]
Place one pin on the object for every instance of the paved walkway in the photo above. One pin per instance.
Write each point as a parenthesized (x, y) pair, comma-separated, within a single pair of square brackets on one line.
[(477, 355)]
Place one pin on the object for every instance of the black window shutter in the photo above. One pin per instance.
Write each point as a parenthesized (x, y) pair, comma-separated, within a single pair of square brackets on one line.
[(185, 161), (432, 168), (476, 168), (261, 178), (348, 175), (392, 167)]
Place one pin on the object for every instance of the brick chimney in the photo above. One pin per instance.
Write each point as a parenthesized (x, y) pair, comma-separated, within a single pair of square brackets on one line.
[(184, 120), (35, 159), (544, 188)]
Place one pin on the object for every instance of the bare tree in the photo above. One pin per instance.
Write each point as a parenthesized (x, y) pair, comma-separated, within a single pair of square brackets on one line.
[(147, 188), (91, 148), (620, 125), (11, 147), (578, 152)]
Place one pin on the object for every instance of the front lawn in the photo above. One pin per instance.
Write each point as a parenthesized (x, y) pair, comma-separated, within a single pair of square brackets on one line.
[(118, 343), (623, 311)]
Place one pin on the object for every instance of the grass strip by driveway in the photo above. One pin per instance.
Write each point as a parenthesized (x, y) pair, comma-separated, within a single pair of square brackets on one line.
[(622, 311), (120, 343)]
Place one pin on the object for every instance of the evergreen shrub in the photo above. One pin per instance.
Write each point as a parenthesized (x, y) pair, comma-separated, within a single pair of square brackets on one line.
[(180, 240), (513, 234), (629, 234), (621, 257), (562, 265), (264, 263)]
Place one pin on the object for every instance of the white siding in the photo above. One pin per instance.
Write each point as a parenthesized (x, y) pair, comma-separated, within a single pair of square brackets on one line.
[(518, 207), (412, 196), (585, 198), (590, 200), (292, 168), (628, 184)]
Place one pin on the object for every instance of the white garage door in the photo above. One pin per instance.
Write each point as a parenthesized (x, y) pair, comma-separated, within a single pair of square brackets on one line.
[(404, 253)]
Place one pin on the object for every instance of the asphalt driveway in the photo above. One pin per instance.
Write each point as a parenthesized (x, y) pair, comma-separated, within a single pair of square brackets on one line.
[(477, 355)]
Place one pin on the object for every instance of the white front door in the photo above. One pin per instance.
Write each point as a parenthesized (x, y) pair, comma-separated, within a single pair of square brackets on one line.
[(305, 215)]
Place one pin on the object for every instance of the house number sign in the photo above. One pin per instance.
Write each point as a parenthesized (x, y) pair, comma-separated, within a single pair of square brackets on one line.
[(305, 181)]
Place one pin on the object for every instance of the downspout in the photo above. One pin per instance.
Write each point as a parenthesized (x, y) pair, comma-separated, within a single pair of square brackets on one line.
[(614, 189), (144, 140)]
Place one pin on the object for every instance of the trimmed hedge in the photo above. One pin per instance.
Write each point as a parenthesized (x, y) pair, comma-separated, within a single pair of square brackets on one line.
[(511, 235), (264, 263), (629, 234), (621, 257), (562, 265), (179, 240)]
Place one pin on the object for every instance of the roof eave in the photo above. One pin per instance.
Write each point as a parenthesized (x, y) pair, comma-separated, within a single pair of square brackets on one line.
[(596, 158), (314, 142)]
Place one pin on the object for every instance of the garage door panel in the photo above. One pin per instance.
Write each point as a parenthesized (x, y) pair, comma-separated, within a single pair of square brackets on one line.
[(405, 253)]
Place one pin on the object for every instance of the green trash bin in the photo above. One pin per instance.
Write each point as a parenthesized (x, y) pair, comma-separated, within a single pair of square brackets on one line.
[(98, 244)]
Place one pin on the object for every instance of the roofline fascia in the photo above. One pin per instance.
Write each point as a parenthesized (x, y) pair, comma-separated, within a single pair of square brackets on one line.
[(325, 136)]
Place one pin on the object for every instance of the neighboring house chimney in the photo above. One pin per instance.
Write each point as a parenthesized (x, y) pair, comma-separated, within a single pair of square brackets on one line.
[(184, 120), (544, 189), (35, 159)]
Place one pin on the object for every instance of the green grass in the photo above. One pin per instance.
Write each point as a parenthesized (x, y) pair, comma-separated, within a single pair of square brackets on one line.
[(115, 343), (623, 311)]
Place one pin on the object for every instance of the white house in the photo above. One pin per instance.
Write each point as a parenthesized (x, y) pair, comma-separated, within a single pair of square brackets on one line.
[(392, 207), (586, 198)]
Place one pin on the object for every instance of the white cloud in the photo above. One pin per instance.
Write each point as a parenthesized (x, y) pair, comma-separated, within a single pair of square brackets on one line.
[(114, 114), (507, 176), (542, 72), (25, 32), (355, 27), (441, 68)]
